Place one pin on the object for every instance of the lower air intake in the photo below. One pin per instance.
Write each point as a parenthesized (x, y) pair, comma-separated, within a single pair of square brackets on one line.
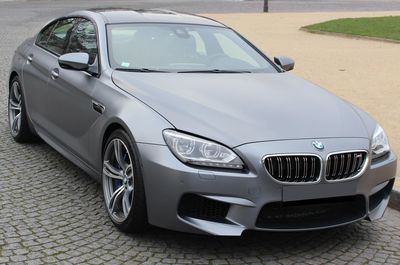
[(196, 206), (311, 213)]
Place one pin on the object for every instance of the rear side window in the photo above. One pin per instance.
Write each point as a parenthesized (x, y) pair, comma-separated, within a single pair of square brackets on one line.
[(45, 34), (56, 40)]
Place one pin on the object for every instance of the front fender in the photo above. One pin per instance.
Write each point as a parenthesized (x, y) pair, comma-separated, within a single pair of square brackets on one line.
[(142, 123)]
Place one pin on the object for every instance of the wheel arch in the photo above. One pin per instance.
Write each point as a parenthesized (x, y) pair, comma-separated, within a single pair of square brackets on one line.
[(108, 131), (13, 74), (112, 126)]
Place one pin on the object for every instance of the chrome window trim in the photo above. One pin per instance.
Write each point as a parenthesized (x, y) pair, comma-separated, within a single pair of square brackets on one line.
[(322, 167), (361, 172)]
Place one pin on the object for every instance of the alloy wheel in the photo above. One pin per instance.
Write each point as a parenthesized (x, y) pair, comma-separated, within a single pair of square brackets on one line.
[(118, 180), (15, 108)]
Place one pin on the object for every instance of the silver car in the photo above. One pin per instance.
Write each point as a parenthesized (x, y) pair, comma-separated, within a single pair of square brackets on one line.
[(190, 127)]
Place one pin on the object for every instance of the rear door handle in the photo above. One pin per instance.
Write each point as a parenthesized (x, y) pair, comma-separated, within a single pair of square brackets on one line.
[(30, 58), (55, 73)]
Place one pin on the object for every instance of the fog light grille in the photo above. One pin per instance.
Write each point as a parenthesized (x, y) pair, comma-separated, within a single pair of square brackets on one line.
[(196, 206)]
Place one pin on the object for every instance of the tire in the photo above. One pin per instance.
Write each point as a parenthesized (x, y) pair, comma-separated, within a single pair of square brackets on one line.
[(17, 114), (122, 182)]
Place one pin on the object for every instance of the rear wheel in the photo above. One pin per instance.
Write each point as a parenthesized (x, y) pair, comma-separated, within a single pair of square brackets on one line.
[(123, 187), (17, 117)]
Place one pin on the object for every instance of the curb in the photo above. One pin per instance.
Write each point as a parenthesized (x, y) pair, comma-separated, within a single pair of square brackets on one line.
[(349, 36), (394, 201)]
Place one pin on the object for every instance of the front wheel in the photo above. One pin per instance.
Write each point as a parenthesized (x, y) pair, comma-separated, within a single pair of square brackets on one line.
[(123, 186)]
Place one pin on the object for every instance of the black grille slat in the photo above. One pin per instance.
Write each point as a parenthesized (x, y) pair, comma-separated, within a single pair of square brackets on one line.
[(328, 167), (345, 165), (342, 162), (335, 165), (288, 166), (354, 164), (349, 158), (297, 170), (294, 168), (280, 169), (305, 166), (312, 167)]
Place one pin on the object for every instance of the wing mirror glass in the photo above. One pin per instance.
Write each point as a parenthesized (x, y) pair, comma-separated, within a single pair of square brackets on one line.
[(284, 62), (74, 61)]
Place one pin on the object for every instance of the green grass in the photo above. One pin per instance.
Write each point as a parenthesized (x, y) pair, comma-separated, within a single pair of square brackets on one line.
[(376, 27)]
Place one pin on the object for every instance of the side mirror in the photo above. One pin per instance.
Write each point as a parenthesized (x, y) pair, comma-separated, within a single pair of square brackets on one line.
[(74, 61), (286, 63)]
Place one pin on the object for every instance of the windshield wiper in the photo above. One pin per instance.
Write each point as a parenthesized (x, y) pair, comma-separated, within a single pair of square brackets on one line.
[(140, 70), (214, 71)]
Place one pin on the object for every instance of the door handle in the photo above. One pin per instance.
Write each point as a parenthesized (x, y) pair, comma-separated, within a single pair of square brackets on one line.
[(55, 73), (98, 107), (30, 58)]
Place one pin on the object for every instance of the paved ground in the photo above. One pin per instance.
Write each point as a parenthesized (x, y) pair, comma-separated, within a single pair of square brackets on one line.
[(52, 212)]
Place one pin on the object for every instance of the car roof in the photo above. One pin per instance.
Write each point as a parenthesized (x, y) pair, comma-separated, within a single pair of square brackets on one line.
[(125, 15)]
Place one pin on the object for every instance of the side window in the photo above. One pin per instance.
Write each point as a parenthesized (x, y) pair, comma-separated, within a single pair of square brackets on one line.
[(83, 39), (44, 35), (55, 38)]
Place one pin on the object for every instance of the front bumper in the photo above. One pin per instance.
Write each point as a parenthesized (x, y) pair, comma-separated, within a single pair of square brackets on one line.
[(244, 198)]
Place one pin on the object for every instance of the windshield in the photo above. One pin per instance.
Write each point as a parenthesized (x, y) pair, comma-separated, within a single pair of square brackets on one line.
[(181, 48)]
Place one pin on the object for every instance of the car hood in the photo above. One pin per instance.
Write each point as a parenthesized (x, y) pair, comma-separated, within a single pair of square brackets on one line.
[(235, 109)]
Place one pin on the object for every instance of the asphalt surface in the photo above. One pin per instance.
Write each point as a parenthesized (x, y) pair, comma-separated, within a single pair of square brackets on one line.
[(52, 212)]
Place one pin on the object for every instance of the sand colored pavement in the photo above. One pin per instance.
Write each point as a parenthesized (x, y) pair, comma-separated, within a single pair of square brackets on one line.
[(364, 72)]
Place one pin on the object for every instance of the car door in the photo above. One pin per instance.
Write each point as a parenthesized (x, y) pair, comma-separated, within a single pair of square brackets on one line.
[(70, 112), (50, 43)]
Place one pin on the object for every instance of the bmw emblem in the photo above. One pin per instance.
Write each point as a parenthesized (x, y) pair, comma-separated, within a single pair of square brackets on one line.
[(318, 145)]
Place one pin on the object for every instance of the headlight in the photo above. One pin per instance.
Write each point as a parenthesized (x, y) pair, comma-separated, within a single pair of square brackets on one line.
[(201, 152), (380, 144)]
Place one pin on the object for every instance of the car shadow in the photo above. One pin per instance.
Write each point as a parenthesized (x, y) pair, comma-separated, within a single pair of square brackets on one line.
[(270, 245)]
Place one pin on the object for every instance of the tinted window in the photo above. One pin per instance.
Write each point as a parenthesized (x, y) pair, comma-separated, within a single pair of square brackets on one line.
[(59, 36), (44, 35), (83, 39), (182, 47)]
